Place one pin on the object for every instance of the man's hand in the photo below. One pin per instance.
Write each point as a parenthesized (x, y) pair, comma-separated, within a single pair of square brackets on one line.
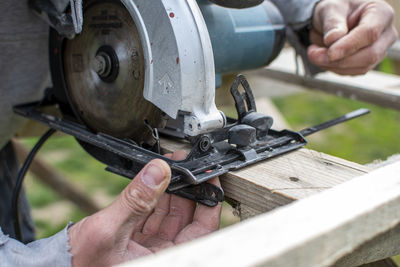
[(351, 37), (142, 220)]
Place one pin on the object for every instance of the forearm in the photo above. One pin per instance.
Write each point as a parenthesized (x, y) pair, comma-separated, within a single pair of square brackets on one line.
[(52, 251)]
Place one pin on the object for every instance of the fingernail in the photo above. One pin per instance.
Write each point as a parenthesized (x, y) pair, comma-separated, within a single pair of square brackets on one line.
[(153, 175), (319, 56), (334, 35), (323, 59), (337, 30), (335, 54)]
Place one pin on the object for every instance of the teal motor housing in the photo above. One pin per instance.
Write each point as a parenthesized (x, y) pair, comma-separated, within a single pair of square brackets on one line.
[(243, 39)]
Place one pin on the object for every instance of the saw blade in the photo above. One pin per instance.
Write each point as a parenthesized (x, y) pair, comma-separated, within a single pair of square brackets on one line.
[(104, 73)]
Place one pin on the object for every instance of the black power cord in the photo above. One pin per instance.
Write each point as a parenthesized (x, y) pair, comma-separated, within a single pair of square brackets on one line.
[(20, 180)]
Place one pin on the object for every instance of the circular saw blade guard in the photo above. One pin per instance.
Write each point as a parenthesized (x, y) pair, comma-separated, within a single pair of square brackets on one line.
[(179, 62)]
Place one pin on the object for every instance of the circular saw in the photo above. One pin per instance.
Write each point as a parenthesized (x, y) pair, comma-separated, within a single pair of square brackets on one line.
[(126, 68), (122, 70), (134, 65), (140, 67)]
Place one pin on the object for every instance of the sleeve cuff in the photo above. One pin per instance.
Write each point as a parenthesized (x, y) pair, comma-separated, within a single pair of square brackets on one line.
[(52, 251)]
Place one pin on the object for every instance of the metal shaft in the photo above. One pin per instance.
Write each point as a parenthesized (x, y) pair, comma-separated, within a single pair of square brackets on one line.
[(349, 116)]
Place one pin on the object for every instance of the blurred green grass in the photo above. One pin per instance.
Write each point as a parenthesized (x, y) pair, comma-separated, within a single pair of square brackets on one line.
[(66, 155), (362, 140)]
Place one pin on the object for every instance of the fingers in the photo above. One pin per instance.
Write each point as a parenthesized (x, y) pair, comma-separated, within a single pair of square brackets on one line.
[(170, 216), (374, 18), (318, 55), (205, 220), (330, 20), (140, 197), (109, 230), (136, 251), (180, 214), (179, 155), (155, 244), (316, 38), (180, 211), (358, 63), (209, 216), (153, 223)]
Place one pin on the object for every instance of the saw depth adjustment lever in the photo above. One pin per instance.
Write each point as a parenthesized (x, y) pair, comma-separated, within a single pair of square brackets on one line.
[(251, 124)]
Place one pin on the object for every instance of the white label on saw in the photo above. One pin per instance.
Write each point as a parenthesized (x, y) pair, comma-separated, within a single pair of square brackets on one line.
[(166, 84)]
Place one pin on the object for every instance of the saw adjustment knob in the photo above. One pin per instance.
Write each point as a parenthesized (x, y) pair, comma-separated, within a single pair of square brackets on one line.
[(242, 135), (259, 121)]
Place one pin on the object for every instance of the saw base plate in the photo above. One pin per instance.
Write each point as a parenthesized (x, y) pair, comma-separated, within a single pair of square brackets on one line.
[(241, 143)]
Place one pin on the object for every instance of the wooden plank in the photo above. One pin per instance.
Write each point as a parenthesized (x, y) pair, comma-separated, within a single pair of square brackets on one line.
[(282, 180), (329, 83), (279, 181), (382, 263), (316, 231), (253, 192), (374, 87), (382, 246)]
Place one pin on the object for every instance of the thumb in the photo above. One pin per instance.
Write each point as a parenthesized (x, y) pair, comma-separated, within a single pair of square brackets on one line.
[(140, 197), (332, 18)]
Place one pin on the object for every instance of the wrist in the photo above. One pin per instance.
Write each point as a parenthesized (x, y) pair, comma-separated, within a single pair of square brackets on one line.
[(73, 241)]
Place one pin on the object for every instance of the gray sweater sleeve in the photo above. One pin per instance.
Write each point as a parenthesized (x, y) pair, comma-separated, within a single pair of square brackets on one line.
[(296, 12), (297, 15), (52, 251)]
